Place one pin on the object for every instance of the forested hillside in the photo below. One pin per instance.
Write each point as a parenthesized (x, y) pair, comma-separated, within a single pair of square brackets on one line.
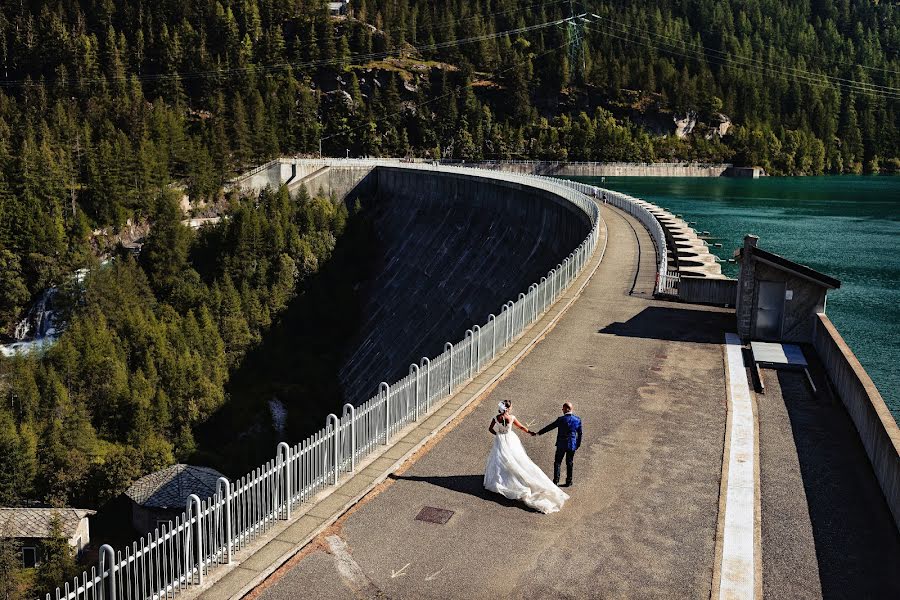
[(109, 109)]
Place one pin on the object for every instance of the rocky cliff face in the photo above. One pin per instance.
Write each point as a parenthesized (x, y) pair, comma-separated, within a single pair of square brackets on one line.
[(685, 125)]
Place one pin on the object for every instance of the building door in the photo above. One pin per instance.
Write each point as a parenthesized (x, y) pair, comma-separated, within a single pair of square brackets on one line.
[(769, 310)]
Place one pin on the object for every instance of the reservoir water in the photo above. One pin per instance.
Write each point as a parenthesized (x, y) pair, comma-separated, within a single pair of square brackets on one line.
[(846, 227)]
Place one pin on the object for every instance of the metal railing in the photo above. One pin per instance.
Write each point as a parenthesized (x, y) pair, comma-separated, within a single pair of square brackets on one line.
[(666, 280), (172, 560), (588, 163)]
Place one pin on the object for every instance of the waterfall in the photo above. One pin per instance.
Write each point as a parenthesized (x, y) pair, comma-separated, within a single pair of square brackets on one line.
[(39, 318)]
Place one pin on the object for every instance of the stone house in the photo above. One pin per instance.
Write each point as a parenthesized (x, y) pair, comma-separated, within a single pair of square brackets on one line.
[(160, 497), (31, 526), (778, 299), (337, 9)]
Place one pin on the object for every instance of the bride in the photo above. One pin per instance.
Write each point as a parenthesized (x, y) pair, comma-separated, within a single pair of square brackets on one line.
[(510, 472)]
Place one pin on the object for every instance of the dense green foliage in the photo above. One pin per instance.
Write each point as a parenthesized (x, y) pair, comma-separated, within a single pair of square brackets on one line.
[(105, 103), (150, 346)]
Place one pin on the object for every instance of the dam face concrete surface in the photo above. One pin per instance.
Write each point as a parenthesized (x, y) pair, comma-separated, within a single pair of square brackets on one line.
[(452, 250)]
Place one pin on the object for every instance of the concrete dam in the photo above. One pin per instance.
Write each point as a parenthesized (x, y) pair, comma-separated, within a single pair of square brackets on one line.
[(453, 249), (733, 447)]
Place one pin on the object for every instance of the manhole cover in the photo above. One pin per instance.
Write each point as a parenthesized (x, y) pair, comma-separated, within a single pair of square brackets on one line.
[(431, 514)]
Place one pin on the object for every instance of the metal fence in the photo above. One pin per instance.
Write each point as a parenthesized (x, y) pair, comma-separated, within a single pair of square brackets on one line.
[(174, 559), (666, 280)]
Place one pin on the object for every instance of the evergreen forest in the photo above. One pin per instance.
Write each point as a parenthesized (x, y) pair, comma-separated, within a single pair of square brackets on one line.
[(117, 113)]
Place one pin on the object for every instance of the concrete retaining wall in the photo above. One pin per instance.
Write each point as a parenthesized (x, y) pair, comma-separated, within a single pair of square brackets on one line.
[(574, 169), (273, 174), (876, 426), (340, 181), (700, 290)]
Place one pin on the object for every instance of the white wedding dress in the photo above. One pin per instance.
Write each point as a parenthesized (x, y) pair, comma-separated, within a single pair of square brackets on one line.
[(510, 472)]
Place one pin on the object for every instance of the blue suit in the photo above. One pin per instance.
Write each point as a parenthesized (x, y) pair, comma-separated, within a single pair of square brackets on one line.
[(568, 440)]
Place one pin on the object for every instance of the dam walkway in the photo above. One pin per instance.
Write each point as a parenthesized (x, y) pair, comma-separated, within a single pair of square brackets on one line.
[(647, 379)]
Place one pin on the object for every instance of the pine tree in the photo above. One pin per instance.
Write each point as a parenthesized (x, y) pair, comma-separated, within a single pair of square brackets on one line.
[(164, 255), (58, 561)]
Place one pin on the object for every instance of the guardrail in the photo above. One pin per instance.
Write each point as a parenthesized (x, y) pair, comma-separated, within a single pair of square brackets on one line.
[(174, 559), (666, 280), (588, 163)]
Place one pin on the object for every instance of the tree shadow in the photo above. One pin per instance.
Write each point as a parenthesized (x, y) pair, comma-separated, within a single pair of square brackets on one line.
[(675, 325), (472, 485), (296, 362), (856, 540)]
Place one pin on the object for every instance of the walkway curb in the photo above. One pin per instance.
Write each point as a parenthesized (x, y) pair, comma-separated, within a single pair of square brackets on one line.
[(737, 571), (246, 580)]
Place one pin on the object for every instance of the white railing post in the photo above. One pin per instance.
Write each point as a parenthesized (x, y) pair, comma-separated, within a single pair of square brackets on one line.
[(492, 318), (386, 390), (414, 369), (283, 461), (521, 311), (470, 336), (107, 561), (557, 286), (193, 511), (476, 339), (336, 432), (448, 347), (350, 410), (533, 292), (223, 489), (504, 314), (542, 284), (426, 364)]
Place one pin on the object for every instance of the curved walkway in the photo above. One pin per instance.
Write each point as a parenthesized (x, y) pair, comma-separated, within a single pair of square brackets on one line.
[(647, 378)]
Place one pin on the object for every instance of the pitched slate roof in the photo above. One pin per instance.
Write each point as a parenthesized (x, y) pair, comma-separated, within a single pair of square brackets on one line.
[(789, 265), (35, 522), (170, 487)]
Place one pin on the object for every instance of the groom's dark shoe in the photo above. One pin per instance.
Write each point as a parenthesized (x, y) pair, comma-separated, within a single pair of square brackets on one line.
[(567, 484)]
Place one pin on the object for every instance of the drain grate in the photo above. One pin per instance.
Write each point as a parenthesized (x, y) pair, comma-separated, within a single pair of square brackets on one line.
[(431, 514)]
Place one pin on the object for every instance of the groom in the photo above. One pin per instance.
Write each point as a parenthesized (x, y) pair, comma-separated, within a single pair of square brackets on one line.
[(568, 440)]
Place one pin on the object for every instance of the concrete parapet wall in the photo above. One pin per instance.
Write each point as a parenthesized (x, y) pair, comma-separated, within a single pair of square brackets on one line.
[(702, 290), (876, 426)]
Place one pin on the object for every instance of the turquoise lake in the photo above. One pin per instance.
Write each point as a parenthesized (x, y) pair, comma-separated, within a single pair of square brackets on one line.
[(847, 227)]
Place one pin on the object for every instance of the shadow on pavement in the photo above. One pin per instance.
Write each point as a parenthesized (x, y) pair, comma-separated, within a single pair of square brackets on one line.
[(465, 484), (857, 544), (675, 325)]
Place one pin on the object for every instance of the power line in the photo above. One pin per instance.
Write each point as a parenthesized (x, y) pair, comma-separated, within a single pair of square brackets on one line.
[(757, 65), (758, 61)]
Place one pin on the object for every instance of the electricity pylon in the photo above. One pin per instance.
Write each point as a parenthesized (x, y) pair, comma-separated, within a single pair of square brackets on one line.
[(575, 32)]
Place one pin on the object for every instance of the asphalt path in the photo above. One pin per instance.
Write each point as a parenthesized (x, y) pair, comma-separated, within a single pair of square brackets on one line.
[(826, 529), (647, 378)]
